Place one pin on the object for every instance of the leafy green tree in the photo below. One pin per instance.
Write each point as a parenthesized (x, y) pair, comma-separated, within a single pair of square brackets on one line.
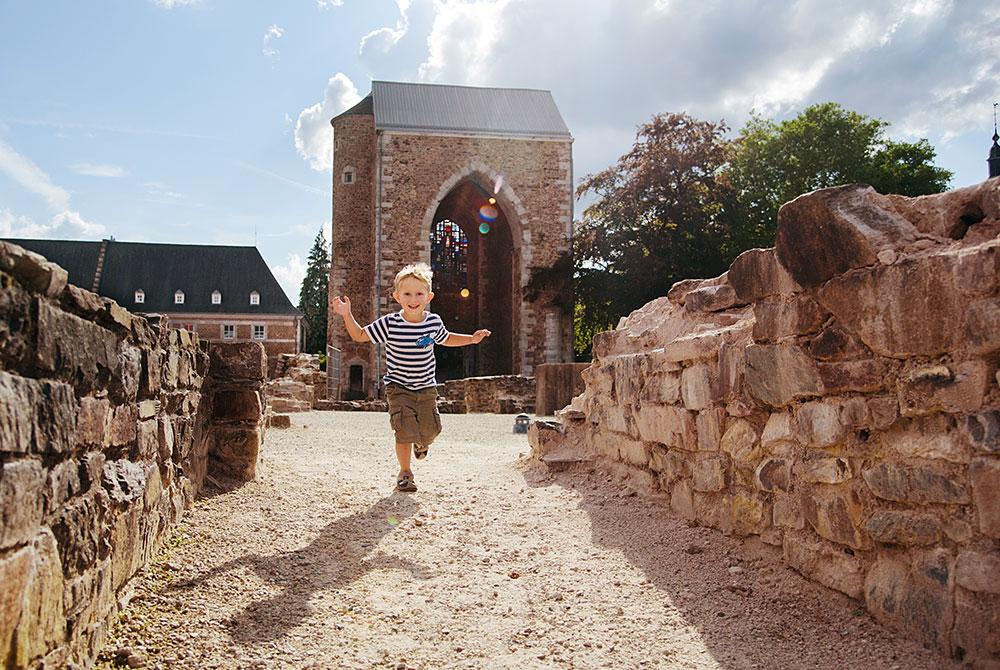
[(660, 216), (826, 145), (313, 295)]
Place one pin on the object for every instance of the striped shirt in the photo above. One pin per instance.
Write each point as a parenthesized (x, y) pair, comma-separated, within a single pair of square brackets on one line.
[(409, 350)]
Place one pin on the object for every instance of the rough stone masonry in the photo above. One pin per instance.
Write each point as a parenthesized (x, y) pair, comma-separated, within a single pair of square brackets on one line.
[(837, 397), (108, 425)]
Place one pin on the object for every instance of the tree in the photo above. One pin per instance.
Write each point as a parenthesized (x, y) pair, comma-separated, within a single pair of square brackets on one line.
[(313, 295), (825, 145), (660, 216)]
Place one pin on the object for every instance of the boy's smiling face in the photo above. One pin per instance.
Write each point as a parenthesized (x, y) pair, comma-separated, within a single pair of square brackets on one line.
[(413, 295)]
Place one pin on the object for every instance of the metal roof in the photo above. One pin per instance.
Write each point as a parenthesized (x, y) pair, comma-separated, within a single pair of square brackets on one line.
[(467, 109), (161, 269)]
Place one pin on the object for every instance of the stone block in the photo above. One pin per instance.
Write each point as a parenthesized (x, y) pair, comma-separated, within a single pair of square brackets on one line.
[(280, 421), (917, 482), (91, 421), (982, 431), (234, 453), (864, 376), (150, 373), (985, 477), (696, 388), (73, 349), (756, 274), (708, 473), (836, 513), (148, 439), (824, 470), (711, 298), (63, 483), (83, 529), (904, 528), (783, 317), (824, 563), (33, 271), (669, 464), (883, 411), (35, 416), (124, 481), (982, 327), (834, 343), (779, 374), (747, 515), (634, 452), (124, 386), (22, 498), (820, 423), (930, 437), (165, 438), (681, 500), (41, 624), (978, 571), (16, 570), (16, 323), (899, 597), (709, 428), (237, 404), (828, 232), (940, 389), (667, 424), (123, 425), (779, 436), (787, 512), (773, 474), (740, 442), (976, 635)]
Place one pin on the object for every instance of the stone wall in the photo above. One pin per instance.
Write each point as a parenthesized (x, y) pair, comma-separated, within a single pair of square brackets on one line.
[(836, 397), (556, 384), (298, 384), (102, 446), (500, 394)]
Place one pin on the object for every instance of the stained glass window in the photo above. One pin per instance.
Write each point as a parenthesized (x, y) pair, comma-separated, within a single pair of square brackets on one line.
[(449, 255)]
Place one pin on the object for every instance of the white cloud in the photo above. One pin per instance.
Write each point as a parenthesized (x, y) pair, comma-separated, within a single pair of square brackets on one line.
[(328, 4), (313, 133), (290, 276), (464, 36), (274, 32), (384, 39), (98, 170), (161, 192), (65, 225), (33, 178), (170, 4)]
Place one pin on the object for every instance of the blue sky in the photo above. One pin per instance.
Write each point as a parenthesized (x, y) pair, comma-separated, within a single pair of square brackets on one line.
[(207, 121)]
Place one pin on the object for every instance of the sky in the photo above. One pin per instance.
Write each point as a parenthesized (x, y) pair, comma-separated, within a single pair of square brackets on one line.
[(207, 121)]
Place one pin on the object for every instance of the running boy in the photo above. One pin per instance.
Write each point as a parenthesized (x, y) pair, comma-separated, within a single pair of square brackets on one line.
[(410, 387)]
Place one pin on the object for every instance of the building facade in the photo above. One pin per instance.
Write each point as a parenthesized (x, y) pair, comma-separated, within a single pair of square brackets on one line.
[(220, 292), (476, 182)]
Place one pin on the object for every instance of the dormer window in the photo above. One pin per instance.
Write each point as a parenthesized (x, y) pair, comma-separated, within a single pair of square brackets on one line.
[(178, 297), (140, 296), (216, 298), (254, 298)]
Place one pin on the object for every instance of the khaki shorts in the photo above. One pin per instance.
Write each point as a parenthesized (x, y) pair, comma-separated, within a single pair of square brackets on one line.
[(413, 415)]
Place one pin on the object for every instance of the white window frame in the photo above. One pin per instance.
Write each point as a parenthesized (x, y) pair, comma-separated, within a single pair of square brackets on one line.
[(216, 297), (140, 296), (223, 329), (263, 332), (178, 297), (254, 298)]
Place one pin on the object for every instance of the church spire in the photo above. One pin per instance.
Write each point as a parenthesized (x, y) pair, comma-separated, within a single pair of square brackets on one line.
[(994, 160)]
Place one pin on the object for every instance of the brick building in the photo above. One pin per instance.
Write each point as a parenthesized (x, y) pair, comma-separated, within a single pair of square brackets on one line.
[(476, 182), (220, 292)]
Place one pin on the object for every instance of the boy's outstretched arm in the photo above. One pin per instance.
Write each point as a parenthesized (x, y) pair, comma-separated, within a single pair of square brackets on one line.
[(460, 340), (342, 306)]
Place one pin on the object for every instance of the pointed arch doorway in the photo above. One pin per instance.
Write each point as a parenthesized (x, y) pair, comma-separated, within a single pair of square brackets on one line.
[(473, 259)]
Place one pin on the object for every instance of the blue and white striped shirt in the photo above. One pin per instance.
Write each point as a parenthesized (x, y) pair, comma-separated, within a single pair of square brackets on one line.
[(409, 348)]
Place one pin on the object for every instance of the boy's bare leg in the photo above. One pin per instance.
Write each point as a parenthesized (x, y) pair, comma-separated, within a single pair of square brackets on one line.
[(403, 456)]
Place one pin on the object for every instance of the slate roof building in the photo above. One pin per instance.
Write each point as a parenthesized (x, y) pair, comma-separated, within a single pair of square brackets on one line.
[(476, 182), (221, 292)]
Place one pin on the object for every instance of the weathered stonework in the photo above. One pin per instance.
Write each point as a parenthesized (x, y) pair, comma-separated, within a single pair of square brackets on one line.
[(105, 420), (850, 412)]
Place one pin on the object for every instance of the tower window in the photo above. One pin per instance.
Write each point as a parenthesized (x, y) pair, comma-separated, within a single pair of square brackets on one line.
[(348, 176), (178, 297), (216, 298), (140, 297)]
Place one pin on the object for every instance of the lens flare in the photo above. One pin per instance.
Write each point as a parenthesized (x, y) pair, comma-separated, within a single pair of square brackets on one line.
[(392, 521), (484, 228), (464, 293), (498, 184), (493, 201), (488, 213)]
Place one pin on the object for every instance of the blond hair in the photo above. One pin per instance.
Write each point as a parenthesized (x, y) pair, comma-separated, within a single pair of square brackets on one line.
[(421, 271)]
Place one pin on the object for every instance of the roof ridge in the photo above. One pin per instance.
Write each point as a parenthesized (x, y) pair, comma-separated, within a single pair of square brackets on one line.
[(481, 88)]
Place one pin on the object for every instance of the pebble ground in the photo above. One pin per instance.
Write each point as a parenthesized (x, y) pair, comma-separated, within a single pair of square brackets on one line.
[(493, 563)]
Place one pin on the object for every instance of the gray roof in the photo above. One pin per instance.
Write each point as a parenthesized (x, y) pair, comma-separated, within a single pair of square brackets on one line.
[(467, 109)]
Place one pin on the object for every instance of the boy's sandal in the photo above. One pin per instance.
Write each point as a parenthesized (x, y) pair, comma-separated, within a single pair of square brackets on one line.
[(406, 483), (419, 451)]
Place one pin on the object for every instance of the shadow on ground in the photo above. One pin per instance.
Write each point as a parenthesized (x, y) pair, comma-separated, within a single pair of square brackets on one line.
[(339, 555), (750, 610)]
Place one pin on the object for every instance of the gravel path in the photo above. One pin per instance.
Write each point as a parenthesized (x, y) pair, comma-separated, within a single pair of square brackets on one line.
[(491, 564)]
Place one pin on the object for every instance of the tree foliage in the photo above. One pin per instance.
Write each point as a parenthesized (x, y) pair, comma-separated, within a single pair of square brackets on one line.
[(685, 201), (313, 295)]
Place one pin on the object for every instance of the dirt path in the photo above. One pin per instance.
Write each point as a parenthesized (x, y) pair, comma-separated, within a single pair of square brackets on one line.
[(490, 565)]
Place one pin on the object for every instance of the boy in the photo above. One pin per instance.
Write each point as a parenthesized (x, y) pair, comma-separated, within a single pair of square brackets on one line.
[(410, 387)]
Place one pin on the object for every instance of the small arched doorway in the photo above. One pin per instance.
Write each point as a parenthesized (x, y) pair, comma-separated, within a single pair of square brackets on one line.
[(472, 259)]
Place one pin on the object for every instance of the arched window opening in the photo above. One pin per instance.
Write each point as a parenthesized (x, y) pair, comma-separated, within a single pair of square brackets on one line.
[(449, 254)]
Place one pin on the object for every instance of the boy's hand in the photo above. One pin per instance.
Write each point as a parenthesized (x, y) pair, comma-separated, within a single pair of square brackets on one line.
[(480, 335), (341, 306)]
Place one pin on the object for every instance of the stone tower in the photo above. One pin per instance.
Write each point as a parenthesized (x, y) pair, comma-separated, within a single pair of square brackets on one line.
[(476, 182)]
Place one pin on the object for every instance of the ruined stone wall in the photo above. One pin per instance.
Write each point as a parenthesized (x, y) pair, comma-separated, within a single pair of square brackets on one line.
[(837, 397), (102, 446), (499, 394), (556, 384)]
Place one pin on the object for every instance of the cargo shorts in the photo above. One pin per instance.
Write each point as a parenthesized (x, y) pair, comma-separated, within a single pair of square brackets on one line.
[(413, 415)]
